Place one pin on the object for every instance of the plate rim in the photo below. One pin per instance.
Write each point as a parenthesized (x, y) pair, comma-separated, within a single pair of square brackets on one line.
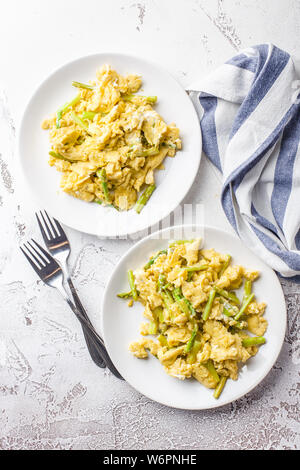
[(197, 151), (203, 227)]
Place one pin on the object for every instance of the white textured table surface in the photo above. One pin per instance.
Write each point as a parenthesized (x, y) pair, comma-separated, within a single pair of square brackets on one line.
[(51, 394)]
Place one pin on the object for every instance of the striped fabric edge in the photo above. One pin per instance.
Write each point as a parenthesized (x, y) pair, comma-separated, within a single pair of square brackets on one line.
[(277, 66)]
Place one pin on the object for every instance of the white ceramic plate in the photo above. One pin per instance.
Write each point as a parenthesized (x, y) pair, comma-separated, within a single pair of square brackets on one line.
[(120, 324), (173, 183)]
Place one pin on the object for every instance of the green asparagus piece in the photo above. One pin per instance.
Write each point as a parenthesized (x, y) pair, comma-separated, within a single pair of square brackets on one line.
[(180, 242), (152, 260), (169, 144), (209, 304), (219, 387), (127, 97), (64, 108), (165, 293), (88, 115), (167, 296), (132, 284), (150, 99), (153, 328), (238, 325), (125, 295), (244, 306), (177, 294), (168, 301), (144, 198), (247, 288), (190, 342), (225, 265), (211, 369), (83, 85), (184, 304), (229, 310), (58, 156), (228, 295), (59, 114), (180, 301), (150, 152), (192, 356), (253, 341), (79, 121), (159, 314), (196, 267), (101, 173), (193, 312), (189, 276), (163, 340), (161, 282)]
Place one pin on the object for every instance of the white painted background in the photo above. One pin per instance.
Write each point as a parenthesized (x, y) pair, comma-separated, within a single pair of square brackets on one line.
[(51, 394)]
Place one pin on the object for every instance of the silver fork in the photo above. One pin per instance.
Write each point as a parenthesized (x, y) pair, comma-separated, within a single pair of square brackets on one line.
[(58, 245), (51, 274)]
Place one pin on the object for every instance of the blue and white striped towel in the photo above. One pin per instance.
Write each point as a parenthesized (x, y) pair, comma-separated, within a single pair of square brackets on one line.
[(250, 119)]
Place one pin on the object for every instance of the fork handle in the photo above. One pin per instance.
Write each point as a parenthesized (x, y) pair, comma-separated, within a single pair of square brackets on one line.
[(93, 333), (92, 346), (77, 300)]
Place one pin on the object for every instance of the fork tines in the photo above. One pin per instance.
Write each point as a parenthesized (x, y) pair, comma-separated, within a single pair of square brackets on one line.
[(48, 226), (38, 258), (49, 229)]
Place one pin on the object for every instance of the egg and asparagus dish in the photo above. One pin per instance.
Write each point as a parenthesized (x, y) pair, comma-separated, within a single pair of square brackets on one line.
[(201, 328), (108, 141)]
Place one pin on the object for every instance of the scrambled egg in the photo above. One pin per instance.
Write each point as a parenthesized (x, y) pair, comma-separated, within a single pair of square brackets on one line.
[(108, 127), (199, 323)]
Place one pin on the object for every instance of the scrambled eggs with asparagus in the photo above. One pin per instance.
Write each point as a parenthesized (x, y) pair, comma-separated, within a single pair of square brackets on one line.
[(108, 141), (202, 328)]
